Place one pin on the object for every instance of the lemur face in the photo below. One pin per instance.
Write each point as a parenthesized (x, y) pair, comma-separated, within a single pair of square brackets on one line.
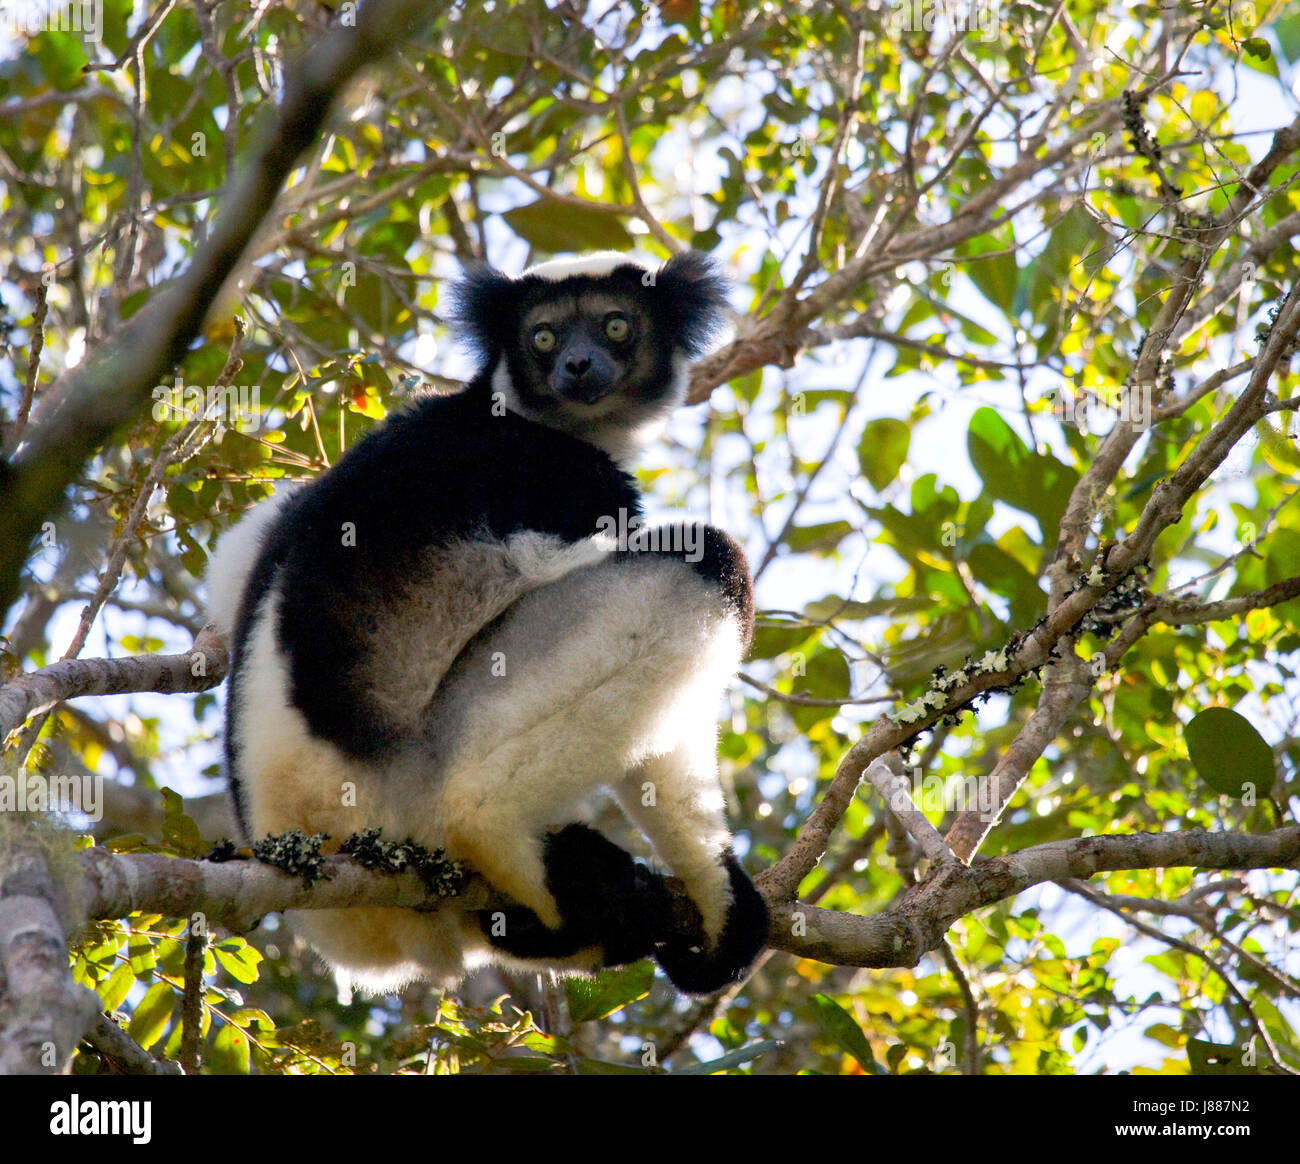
[(581, 349), (597, 346)]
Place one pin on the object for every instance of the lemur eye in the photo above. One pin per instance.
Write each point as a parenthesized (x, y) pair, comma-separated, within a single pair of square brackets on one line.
[(543, 339), (616, 327)]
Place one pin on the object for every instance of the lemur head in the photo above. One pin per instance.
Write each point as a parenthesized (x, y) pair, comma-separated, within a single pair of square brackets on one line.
[(598, 346)]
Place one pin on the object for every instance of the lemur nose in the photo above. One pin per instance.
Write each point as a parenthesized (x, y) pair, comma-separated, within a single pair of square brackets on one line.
[(577, 365)]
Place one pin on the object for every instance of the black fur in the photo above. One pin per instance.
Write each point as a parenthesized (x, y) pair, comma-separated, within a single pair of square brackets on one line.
[(606, 900), (686, 300), (691, 296), (675, 310), (696, 969), (610, 901)]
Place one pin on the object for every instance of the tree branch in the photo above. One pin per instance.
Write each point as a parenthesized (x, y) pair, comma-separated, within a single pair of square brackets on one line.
[(902, 935), (235, 894), (43, 1012), (199, 669)]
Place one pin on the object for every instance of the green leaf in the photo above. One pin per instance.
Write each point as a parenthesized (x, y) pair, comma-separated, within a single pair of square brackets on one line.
[(553, 228), (114, 989), (229, 1053), (239, 959), (62, 57), (126, 843), (817, 539), (882, 450), (594, 998), (179, 831), (1003, 575), (152, 1015), (171, 957), (998, 454), (771, 641), (510, 37), (840, 1026), (1282, 558), (140, 952), (730, 1059), (1164, 1033), (1228, 753), (1215, 1059), (996, 276), (1033, 482), (827, 675)]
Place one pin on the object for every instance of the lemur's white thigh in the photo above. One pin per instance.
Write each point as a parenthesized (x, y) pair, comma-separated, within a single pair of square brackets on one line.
[(579, 683)]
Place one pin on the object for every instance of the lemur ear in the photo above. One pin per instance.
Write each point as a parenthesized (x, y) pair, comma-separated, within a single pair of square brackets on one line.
[(483, 301), (691, 295)]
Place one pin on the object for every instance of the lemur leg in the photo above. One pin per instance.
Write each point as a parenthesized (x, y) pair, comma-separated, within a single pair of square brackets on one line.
[(587, 679), (673, 795), (676, 801)]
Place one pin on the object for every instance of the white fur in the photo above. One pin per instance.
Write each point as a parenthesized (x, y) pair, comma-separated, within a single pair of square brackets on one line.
[(233, 560), (626, 689), (456, 592), (597, 264), (304, 783)]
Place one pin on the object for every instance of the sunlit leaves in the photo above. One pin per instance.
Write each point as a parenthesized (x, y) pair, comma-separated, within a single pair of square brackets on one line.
[(594, 998), (574, 230), (1037, 483), (179, 831), (150, 1018), (238, 959), (840, 1026), (229, 1053), (882, 450)]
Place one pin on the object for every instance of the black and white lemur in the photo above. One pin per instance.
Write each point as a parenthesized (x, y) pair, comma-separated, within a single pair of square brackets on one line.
[(438, 637)]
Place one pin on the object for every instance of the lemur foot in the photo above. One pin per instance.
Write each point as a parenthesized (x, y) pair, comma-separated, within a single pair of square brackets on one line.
[(610, 901), (605, 899), (696, 968)]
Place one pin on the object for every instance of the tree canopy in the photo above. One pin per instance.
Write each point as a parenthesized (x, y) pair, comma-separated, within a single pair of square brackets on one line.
[(1004, 420)]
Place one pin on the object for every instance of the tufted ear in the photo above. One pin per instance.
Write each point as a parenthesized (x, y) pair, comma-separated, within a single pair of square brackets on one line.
[(691, 297), (483, 307)]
